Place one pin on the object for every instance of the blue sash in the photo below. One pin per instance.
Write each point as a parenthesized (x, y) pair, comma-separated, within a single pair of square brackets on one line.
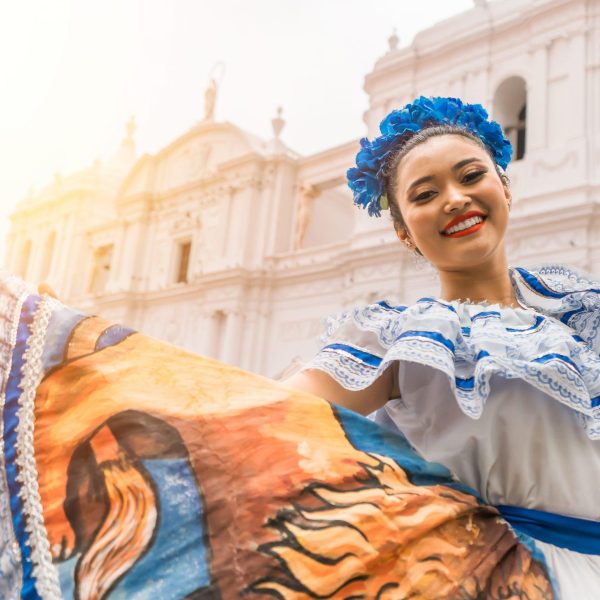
[(579, 535)]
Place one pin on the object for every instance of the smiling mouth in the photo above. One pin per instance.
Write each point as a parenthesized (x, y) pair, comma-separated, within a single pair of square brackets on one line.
[(468, 231)]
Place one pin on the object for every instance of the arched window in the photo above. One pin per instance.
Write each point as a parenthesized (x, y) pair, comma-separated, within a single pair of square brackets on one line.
[(510, 110), (23, 260), (47, 256)]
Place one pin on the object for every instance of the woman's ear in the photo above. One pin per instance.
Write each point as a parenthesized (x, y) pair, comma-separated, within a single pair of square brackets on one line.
[(403, 235), (507, 193)]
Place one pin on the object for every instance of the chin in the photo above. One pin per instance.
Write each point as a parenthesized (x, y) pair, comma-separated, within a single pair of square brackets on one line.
[(464, 259)]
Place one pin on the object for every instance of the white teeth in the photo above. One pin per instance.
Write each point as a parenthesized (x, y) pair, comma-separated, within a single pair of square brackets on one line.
[(465, 224)]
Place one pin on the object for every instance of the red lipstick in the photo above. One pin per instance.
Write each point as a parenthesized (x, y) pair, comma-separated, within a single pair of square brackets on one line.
[(464, 217)]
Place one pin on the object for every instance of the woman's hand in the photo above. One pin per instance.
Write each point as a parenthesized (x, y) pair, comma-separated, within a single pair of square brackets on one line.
[(46, 288)]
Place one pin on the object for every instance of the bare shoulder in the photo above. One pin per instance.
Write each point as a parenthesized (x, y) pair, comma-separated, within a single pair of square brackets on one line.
[(363, 401)]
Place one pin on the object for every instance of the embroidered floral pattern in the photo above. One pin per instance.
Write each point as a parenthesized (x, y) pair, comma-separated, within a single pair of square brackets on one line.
[(44, 572), (13, 293)]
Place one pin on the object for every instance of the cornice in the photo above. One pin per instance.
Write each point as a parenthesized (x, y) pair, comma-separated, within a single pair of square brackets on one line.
[(203, 129), (140, 201), (339, 266), (28, 208), (496, 24)]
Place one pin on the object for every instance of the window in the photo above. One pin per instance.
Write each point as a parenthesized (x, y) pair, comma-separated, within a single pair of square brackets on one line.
[(510, 110), (183, 261), (516, 134), (101, 268)]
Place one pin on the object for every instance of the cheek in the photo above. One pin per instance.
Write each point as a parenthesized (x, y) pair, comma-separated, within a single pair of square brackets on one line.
[(422, 222)]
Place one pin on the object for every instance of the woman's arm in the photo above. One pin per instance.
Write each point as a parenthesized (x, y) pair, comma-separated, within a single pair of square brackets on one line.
[(363, 401)]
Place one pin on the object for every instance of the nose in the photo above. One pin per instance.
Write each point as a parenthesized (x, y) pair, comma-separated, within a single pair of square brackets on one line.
[(456, 199)]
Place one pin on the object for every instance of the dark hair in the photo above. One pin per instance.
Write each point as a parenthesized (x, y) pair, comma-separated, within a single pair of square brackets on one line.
[(405, 145)]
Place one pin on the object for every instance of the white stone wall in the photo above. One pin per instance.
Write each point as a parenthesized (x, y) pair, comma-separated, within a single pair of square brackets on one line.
[(256, 299)]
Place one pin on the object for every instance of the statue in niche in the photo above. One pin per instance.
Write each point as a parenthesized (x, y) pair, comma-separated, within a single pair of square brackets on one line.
[(304, 206)]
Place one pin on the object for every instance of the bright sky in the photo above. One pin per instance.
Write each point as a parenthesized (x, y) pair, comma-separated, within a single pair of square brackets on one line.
[(72, 72)]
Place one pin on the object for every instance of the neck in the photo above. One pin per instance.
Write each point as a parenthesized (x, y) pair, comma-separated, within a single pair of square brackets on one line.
[(488, 282)]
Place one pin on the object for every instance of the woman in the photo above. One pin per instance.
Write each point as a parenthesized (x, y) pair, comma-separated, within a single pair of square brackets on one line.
[(130, 468), (498, 378)]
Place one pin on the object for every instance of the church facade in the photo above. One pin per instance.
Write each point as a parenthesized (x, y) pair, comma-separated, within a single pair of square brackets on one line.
[(236, 247)]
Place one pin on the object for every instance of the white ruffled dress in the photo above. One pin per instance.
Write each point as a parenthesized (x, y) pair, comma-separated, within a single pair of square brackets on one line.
[(507, 398)]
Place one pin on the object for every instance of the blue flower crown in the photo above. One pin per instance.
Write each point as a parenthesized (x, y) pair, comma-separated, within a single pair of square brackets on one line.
[(366, 180)]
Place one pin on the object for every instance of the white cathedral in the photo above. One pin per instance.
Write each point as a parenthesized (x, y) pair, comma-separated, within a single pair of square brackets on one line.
[(236, 247)]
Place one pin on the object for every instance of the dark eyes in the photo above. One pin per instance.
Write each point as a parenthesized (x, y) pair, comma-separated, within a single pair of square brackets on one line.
[(470, 177), (423, 196), (473, 175)]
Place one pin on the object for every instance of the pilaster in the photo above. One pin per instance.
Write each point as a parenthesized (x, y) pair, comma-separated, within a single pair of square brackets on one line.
[(537, 97)]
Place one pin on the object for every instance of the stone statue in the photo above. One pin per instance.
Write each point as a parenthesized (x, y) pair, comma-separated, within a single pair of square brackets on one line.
[(210, 97), (130, 127), (306, 197)]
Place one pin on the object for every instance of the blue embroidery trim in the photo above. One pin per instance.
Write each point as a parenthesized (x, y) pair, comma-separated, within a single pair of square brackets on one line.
[(554, 355), (579, 535), (369, 359), (436, 301), (535, 284), (432, 335), (10, 425), (538, 321), (400, 308), (487, 313)]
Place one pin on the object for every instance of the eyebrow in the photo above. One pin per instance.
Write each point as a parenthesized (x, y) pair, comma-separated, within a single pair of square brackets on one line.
[(456, 167)]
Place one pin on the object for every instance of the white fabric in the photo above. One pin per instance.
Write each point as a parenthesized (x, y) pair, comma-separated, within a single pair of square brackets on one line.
[(506, 398), (577, 576), (523, 451)]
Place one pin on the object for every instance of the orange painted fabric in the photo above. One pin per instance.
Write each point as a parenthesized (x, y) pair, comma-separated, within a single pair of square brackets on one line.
[(137, 469)]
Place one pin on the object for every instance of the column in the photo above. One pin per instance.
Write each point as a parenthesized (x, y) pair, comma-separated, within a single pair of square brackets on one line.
[(35, 263), (63, 271), (537, 98), (116, 276), (127, 264), (255, 361), (230, 350), (11, 257), (577, 85)]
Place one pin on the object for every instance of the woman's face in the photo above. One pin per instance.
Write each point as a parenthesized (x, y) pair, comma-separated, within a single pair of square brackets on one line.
[(445, 178)]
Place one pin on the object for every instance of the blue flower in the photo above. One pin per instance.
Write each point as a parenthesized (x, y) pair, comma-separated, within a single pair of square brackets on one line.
[(366, 179)]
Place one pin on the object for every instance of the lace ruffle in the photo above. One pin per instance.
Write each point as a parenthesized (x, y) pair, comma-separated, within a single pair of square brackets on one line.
[(13, 292), (552, 343)]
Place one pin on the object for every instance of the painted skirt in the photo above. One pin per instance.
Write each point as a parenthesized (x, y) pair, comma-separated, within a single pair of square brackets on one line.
[(134, 469)]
